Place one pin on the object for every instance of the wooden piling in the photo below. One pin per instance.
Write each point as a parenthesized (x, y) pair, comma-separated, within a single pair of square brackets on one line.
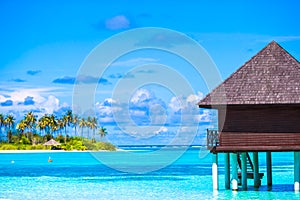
[(296, 171), (257, 181), (244, 170), (269, 168), (234, 181), (227, 170), (215, 177)]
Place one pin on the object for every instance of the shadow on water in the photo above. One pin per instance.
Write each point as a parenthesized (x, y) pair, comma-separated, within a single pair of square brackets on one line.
[(273, 188)]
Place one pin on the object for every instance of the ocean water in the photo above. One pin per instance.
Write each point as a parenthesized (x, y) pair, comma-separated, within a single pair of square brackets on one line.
[(82, 175)]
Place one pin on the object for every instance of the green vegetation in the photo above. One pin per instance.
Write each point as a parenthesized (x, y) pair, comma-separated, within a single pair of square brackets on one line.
[(31, 133)]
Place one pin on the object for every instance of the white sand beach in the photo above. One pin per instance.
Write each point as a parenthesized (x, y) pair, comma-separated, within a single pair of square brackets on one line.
[(52, 151), (33, 151)]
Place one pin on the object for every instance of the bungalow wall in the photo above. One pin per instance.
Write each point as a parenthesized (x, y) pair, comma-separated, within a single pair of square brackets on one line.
[(261, 119)]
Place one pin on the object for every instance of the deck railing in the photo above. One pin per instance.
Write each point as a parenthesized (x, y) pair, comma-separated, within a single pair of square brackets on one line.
[(212, 138)]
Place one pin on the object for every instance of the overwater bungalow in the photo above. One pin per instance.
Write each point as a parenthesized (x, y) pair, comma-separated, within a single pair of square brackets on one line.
[(258, 111)]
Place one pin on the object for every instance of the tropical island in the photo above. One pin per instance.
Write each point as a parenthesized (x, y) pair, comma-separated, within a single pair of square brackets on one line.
[(33, 133)]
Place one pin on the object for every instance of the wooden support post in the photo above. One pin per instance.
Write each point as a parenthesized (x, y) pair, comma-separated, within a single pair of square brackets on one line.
[(227, 170), (269, 168), (244, 171), (257, 181), (296, 171), (234, 167), (215, 177)]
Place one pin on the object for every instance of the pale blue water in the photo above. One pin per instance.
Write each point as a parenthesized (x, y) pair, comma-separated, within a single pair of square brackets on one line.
[(78, 175)]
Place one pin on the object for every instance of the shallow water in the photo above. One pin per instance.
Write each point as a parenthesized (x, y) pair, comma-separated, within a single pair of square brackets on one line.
[(80, 175)]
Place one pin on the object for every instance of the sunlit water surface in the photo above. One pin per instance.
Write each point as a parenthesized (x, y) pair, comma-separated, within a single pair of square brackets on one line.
[(79, 175)]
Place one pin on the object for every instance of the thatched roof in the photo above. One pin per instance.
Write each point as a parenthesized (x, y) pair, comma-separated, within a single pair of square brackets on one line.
[(51, 143), (272, 76)]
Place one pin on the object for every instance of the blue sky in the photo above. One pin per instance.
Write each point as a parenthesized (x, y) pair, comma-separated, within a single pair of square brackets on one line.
[(44, 43)]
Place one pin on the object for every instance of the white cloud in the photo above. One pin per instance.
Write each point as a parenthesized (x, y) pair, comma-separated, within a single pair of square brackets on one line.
[(19, 95), (117, 22), (41, 101), (184, 109), (140, 96), (137, 113), (175, 104), (145, 109), (106, 109), (50, 105), (194, 98), (2, 98)]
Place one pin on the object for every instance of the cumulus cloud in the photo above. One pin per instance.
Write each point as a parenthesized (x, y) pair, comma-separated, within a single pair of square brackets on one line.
[(50, 104), (104, 110), (37, 100), (141, 96), (33, 72), (118, 22), (184, 109), (145, 109)]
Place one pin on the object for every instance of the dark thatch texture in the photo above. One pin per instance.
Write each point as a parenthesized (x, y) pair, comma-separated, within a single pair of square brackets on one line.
[(270, 77)]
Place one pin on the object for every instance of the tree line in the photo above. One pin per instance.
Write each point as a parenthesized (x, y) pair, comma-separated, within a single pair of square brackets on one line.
[(34, 129)]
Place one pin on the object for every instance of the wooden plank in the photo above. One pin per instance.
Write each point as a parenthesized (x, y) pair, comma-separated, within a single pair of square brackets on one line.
[(232, 149), (259, 139)]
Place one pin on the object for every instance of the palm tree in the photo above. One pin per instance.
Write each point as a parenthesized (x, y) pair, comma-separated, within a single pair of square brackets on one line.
[(102, 132), (75, 123), (21, 126), (82, 124), (60, 125), (64, 123), (30, 120), (42, 123), (52, 124), (88, 125), (93, 126), (9, 123), (69, 118), (30, 123), (1, 124)]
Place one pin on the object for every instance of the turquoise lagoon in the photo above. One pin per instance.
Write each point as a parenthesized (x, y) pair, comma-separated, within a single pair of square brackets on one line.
[(79, 175)]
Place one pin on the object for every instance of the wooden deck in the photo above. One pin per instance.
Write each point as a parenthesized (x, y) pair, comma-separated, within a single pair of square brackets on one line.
[(235, 149), (258, 139), (256, 142)]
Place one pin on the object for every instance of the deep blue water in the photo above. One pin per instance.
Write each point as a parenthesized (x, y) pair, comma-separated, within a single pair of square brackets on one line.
[(82, 175)]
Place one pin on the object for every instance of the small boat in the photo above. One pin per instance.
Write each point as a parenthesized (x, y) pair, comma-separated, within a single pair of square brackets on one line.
[(49, 159)]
